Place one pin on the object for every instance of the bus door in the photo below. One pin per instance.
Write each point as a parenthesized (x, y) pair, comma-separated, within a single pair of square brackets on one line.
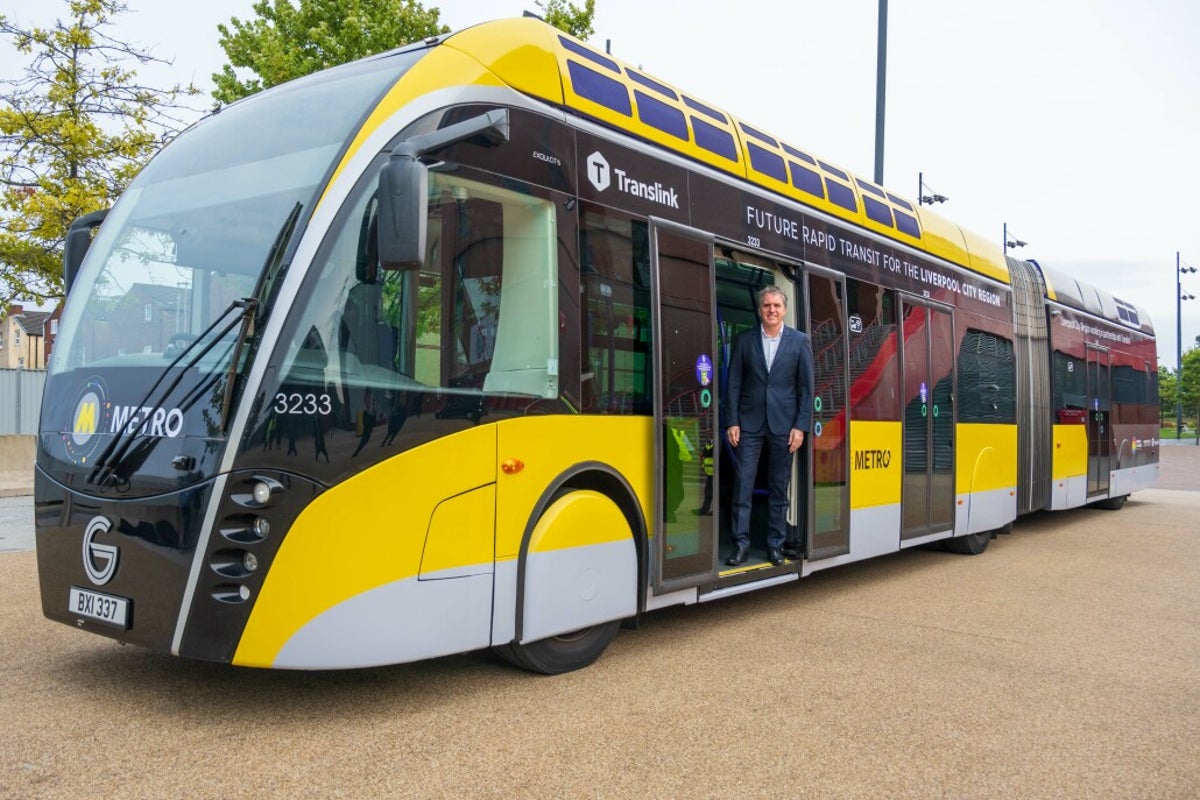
[(1099, 428), (683, 309), (828, 494), (927, 495)]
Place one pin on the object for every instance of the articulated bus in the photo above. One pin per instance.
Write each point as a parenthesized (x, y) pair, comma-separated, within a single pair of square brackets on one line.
[(423, 354)]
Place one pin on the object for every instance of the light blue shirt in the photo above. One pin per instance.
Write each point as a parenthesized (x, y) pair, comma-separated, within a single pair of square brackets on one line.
[(770, 346)]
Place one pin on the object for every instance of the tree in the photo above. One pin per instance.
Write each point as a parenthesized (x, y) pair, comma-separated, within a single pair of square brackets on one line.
[(1189, 382), (287, 41), (569, 17), (74, 130), (1166, 392)]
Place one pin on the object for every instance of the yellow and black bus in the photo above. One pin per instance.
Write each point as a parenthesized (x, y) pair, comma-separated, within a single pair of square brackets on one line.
[(424, 354)]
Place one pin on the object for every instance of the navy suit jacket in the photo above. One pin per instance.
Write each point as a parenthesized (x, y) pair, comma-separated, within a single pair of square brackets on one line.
[(776, 401)]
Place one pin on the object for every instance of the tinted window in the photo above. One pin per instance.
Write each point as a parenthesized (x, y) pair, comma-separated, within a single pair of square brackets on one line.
[(806, 180), (841, 195), (878, 211), (658, 114), (987, 378), (766, 162), (762, 137), (714, 139), (651, 84), (874, 365), (703, 109), (615, 341), (908, 224), (600, 88)]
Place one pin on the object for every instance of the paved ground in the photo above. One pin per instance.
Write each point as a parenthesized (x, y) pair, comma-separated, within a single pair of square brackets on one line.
[(16, 523), (1061, 663)]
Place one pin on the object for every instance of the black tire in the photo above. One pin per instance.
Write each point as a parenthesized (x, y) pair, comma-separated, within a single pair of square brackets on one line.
[(970, 545), (564, 653), (1112, 503)]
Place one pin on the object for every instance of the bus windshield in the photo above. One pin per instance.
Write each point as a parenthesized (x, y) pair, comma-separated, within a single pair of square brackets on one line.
[(192, 232), (146, 341)]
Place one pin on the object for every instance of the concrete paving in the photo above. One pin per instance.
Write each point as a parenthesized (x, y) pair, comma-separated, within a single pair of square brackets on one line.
[(16, 523), (1062, 663)]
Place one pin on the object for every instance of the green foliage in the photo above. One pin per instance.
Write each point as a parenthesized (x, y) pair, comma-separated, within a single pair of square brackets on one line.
[(569, 17), (75, 128), (288, 41), (1189, 382), (1184, 387), (1166, 391)]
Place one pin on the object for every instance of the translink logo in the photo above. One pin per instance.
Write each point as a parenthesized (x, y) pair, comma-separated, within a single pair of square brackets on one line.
[(601, 174)]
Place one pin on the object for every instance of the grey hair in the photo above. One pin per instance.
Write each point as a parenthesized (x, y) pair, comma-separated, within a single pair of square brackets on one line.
[(766, 290)]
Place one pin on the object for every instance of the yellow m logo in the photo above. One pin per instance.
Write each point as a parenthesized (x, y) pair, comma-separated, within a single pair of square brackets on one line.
[(85, 418)]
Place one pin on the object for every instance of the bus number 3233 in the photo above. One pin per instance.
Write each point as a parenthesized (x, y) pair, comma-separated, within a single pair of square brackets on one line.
[(310, 404)]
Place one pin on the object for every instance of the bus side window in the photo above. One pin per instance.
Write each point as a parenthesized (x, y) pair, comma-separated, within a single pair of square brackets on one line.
[(616, 316)]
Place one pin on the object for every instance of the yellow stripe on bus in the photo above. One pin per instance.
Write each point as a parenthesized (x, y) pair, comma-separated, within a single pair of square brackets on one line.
[(578, 519), (876, 463), (986, 457), (1070, 451), (441, 67), (365, 532), (549, 446), (462, 533)]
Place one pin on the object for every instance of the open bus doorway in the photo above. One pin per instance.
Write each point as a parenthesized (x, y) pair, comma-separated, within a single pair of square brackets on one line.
[(740, 276)]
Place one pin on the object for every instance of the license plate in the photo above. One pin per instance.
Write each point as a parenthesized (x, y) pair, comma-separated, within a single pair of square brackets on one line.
[(106, 608)]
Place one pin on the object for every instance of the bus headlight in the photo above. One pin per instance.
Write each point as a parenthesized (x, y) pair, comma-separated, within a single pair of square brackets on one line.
[(250, 562), (261, 527), (261, 492)]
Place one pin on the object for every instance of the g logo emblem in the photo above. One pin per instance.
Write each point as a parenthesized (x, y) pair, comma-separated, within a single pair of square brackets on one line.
[(99, 560)]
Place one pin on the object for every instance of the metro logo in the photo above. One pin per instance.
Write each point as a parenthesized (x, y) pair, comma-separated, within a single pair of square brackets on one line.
[(88, 416), (147, 421), (85, 418), (872, 459), (87, 412)]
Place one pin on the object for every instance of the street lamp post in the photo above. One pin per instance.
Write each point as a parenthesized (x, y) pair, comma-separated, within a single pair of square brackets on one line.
[(1180, 268), (927, 199), (880, 89), (1009, 243)]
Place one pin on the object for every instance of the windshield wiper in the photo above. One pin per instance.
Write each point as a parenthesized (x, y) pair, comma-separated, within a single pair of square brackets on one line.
[(112, 456), (272, 268), (116, 455)]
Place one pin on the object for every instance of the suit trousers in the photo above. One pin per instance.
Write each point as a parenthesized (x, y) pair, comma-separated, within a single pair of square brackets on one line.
[(779, 470)]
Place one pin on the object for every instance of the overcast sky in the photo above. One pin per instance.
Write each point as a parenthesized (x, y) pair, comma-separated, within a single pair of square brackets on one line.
[(1074, 121)]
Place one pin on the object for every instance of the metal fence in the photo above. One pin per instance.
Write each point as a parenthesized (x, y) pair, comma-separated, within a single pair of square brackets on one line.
[(20, 400)]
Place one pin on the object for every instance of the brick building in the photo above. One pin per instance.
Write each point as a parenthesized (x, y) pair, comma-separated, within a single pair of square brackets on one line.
[(25, 337)]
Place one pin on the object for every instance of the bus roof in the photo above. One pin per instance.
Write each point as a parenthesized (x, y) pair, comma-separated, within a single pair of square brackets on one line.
[(1081, 296), (537, 59)]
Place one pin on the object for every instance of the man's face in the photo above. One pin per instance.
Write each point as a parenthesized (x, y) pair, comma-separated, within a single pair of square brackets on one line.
[(771, 310)]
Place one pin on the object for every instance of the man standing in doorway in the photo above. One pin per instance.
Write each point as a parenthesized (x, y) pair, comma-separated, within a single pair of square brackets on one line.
[(768, 406)]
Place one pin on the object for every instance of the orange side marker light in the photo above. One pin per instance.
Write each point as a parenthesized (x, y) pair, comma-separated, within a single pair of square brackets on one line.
[(511, 466)]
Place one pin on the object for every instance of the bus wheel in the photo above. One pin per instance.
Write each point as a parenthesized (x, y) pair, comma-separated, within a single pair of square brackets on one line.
[(562, 653), (1112, 503), (970, 545)]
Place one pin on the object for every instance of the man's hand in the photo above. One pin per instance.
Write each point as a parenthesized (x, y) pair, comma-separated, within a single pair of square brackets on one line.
[(795, 440), (734, 434)]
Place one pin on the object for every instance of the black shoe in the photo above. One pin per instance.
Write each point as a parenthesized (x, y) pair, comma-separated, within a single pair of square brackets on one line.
[(739, 556), (775, 555)]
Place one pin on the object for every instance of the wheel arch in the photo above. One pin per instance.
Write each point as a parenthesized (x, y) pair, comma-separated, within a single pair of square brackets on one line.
[(603, 479)]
